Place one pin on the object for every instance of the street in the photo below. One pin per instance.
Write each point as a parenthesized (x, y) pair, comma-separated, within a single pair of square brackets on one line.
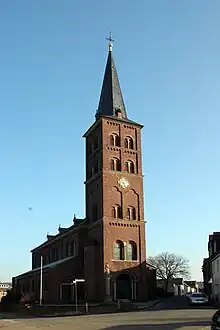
[(170, 314)]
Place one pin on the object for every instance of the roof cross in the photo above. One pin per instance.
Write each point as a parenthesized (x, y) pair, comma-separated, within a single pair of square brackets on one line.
[(110, 44)]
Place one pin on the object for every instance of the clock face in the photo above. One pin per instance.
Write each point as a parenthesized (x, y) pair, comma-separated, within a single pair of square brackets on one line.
[(124, 183)]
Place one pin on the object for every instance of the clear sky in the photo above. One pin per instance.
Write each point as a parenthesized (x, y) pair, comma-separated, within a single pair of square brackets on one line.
[(52, 58)]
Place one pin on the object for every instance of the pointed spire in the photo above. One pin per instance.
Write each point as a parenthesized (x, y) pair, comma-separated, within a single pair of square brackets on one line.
[(111, 100)]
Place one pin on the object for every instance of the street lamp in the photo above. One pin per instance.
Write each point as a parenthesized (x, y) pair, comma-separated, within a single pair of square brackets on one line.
[(79, 280)]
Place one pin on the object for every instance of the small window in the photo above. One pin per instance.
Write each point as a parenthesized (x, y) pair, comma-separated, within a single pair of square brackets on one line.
[(72, 248), (56, 254), (131, 251), (129, 143), (116, 212), (115, 164), (129, 166), (118, 250), (53, 254), (118, 113), (131, 213), (61, 249), (67, 249), (114, 140)]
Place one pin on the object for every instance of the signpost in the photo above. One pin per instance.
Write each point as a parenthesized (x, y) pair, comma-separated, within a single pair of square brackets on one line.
[(79, 280)]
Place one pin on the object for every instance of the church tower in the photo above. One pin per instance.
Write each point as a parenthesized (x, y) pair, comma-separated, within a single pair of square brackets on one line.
[(115, 258)]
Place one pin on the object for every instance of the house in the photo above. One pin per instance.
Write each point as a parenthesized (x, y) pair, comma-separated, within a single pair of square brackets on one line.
[(213, 249), (106, 250), (176, 286), (215, 277), (200, 286), (4, 287), (193, 286), (207, 275)]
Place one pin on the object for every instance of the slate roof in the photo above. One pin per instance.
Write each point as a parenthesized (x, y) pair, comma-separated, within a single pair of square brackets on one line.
[(111, 99), (51, 265), (61, 231)]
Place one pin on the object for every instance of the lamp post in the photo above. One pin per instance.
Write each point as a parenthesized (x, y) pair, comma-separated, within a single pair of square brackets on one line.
[(79, 280)]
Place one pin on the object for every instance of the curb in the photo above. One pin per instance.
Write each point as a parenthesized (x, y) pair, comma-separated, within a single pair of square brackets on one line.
[(154, 304), (150, 306)]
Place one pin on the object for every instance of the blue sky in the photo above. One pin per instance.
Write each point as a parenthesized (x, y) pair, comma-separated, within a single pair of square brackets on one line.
[(52, 59)]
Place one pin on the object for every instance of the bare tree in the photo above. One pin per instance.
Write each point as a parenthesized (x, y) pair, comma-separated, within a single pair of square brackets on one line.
[(169, 265)]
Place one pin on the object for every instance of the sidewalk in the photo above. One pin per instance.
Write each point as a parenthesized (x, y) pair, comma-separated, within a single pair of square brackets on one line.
[(147, 304), (69, 310), (107, 309)]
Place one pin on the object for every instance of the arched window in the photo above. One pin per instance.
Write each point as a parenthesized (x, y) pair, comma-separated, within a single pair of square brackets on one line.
[(116, 212), (118, 250), (67, 249), (73, 248), (53, 254), (126, 143), (115, 164), (114, 140), (129, 143), (131, 213), (129, 166), (131, 251)]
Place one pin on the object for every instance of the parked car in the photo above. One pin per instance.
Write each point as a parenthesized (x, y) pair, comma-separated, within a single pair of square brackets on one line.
[(198, 298), (216, 321)]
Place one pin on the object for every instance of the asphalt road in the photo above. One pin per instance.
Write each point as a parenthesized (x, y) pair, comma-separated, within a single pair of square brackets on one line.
[(168, 315)]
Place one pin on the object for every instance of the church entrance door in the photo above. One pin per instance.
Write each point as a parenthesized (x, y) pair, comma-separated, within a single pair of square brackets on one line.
[(124, 286)]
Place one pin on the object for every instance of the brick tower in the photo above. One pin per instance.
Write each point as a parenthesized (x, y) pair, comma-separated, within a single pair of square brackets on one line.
[(115, 256)]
